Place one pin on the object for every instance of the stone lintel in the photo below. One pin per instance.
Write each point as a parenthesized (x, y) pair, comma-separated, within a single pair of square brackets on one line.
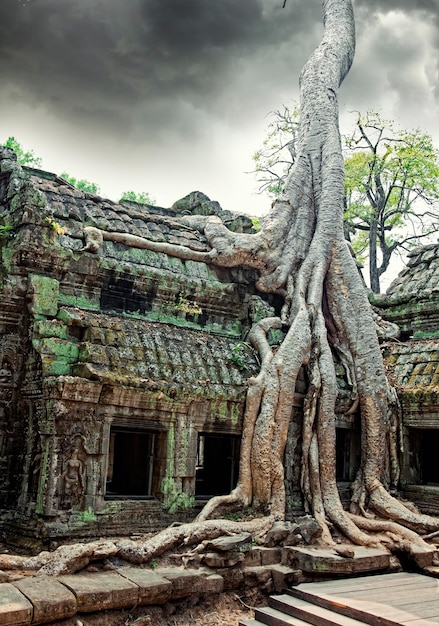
[(51, 600)]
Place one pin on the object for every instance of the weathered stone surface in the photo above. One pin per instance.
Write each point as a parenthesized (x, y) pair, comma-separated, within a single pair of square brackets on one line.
[(309, 529), (15, 608), (51, 599), (153, 589), (284, 577), (258, 577), (241, 543), (269, 556), (186, 582), (326, 561), (106, 590), (285, 533), (223, 559)]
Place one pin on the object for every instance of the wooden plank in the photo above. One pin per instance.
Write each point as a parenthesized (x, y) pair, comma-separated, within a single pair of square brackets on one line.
[(394, 595), (371, 612), (423, 609), (311, 613), (367, 582)]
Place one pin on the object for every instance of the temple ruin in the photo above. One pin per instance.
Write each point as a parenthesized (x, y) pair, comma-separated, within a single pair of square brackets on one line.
[(124, 369)]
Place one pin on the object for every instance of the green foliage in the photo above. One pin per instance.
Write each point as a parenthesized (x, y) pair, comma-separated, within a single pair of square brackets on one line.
[(142, 198), (24, 157), (87, 516), (391, 190), (153, 564), (391, 183), (187, 306), (239, 355), (256, 223), (60, 230), (82, 184), (6, 231)]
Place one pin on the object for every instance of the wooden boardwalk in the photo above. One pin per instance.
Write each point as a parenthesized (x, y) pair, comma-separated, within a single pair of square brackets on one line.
[(380, 600)]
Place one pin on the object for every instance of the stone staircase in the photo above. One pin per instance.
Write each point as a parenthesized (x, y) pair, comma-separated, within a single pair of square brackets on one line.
[(379, 600), (286, 610)]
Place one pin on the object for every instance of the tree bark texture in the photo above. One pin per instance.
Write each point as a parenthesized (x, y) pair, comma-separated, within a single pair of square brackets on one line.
[(301, 254)]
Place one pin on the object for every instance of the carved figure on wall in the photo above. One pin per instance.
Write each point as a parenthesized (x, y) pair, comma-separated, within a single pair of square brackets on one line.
[(73, 480), (5, 372)]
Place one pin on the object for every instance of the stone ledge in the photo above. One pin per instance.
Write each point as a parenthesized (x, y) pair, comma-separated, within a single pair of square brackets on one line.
[(106, 590), (326, 561), (15, 608), (51, 599)]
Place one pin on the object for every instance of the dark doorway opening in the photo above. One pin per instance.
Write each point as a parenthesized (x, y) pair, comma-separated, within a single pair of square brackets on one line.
[(428, 453), (130, 463), (217, 464), (347, 453)]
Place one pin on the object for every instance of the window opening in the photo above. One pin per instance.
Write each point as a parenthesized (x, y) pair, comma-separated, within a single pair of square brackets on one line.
[(130, 463), (428, 456), (217, 464)]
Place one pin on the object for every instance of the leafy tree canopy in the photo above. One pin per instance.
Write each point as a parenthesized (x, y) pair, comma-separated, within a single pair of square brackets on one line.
[(83, 184), (391, 183), (142, 197), (24, 157)]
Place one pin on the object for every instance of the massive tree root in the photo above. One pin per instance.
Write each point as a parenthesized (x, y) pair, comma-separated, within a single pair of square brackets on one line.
[(300, 253)]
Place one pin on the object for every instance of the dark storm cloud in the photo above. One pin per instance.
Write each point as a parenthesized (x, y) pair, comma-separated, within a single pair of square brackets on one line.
[(104, 60), (170, 68)]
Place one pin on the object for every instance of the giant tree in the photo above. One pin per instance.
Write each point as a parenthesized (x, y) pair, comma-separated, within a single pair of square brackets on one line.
[(302, 256)]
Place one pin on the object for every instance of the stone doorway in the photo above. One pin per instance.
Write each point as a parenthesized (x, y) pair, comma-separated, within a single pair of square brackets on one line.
[(130, 463), (217, 464)]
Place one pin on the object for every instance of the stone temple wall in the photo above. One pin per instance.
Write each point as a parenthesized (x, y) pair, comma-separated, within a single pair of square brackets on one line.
[(114, 359), (124, 369)]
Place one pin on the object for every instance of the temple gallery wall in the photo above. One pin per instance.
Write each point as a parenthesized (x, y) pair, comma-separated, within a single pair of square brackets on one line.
[(123, 370)]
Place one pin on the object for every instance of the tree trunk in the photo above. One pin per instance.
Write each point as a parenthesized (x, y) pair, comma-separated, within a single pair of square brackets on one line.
[(301, 254)]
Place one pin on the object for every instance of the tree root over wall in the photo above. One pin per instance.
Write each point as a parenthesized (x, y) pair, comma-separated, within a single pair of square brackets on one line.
[(300, 254)]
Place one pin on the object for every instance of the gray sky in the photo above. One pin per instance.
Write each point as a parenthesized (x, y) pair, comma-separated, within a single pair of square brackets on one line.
[(170, 96)]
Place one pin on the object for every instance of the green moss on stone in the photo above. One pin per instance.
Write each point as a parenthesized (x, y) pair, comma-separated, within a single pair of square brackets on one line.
[(56, 367), (50, 328), (79, 301), (45, 293), (57, 347)]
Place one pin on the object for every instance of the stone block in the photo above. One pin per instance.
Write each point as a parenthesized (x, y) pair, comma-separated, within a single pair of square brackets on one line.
[(153, 589), (45, 292), (269, 556), (326, 561), (186, 582), (15, 608), (224, 559), (97, 592), (233, 577), (232, 543), (252, 558), (51, 600), (283, 577), (258, 577)]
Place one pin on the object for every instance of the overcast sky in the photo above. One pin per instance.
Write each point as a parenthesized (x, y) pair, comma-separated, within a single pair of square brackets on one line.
[(171, 96)]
